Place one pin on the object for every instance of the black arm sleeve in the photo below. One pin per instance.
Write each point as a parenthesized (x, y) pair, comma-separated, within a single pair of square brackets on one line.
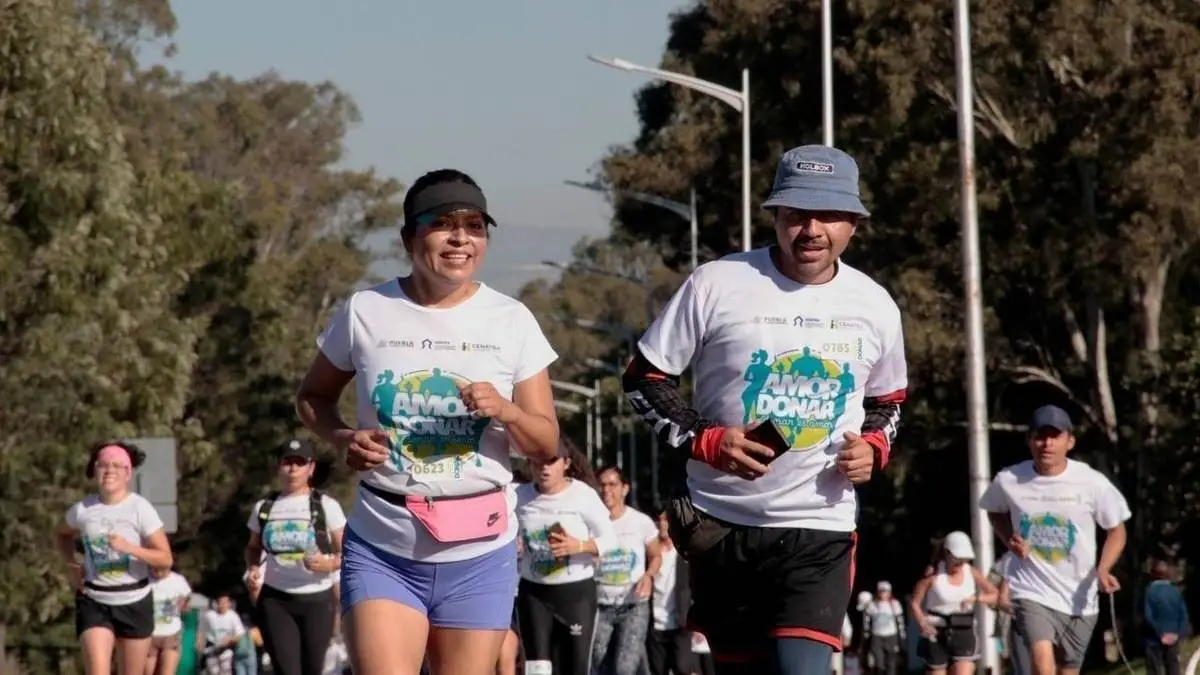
[(655, 396)]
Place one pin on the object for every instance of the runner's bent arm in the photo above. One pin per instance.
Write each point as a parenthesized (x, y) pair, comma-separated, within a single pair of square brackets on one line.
[(653, 558), (885, 391), (1114, 544), (535, 430), (65, 543), (1111, 512), (652, 380), (654, 394), (1002, 526), (317, 399), (156, 552), (985, 591), (916, 605)]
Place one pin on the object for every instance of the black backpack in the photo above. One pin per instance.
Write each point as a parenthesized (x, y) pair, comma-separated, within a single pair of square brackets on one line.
[(316, 513)]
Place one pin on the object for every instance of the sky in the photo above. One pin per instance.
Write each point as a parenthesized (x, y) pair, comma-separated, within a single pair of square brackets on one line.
[(499, 89)]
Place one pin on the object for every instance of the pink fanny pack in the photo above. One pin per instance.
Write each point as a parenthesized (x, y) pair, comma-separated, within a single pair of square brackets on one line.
[(451, 520), (455, 519)]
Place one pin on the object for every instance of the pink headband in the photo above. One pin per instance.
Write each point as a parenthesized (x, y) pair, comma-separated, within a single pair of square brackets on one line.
[(115, 454)]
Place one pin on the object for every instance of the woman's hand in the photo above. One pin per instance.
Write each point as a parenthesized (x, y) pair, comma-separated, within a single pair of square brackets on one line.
[(563, 545), (120, 544), (644, 586), (482, 399), (319, 563), (364, 449)]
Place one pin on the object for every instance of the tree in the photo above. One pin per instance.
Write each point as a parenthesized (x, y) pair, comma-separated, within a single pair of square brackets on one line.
[(1085, 131), (168, 251), (92, 254)]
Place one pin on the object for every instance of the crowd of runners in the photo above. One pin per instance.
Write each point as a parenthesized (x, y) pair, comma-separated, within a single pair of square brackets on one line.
[(449, 562)]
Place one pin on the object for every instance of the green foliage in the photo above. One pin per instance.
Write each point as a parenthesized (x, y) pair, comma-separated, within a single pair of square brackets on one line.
[(168, 252), (1087, 139)]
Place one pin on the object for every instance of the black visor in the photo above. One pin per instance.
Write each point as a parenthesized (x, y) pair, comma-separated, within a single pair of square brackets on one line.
[(438, 200)]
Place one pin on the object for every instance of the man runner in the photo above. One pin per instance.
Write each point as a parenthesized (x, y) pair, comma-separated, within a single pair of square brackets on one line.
[(1046, 511), (791, 335)]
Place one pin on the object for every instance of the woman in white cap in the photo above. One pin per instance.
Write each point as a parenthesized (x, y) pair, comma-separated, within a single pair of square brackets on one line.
[(943, 605)]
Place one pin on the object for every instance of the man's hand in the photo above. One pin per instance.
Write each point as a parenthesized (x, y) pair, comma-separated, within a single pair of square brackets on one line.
[(857, 458), (741, 456), (1108, 583), (365, 449), (1018, 546), (1169, 639)]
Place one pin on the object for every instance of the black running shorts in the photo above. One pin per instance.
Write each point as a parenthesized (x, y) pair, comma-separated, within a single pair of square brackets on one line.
[(760, 583), (132, 621)]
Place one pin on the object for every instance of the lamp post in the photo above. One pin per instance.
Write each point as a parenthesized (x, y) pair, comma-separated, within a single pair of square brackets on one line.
[(629, 335), (685, 211), (593, 410), (979, 457), (738, 100), (827, 72)]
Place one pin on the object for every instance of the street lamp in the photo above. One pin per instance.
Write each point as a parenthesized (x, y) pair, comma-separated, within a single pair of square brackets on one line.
[(685, 211), (827, 72), (593, 410), (630, 337), (979, 457), (738, 100)]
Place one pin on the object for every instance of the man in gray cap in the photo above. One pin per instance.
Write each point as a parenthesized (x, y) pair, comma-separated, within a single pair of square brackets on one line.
[(799, 376), (1046, 511)]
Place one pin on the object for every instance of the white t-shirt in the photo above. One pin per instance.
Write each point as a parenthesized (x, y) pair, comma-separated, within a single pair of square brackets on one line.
[(623, 566), (663, 608), (409, 362), (135, 519), (218, 627), (289, 536), (764, 346), (582, 515), (1057, 517), (170, 592), (883, 619)]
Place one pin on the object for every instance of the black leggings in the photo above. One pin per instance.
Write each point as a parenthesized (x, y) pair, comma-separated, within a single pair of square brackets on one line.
[(296, 629), (557, 622)]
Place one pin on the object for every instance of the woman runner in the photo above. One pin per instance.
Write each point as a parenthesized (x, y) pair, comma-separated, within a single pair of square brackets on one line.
[(122, 538), (626, 578), (293, 590), (943, 605), (564, 525), (450, 374)]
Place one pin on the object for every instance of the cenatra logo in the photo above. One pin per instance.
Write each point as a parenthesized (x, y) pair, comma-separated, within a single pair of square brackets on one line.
[(1050, 536), (801, 392), (432, 433)]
